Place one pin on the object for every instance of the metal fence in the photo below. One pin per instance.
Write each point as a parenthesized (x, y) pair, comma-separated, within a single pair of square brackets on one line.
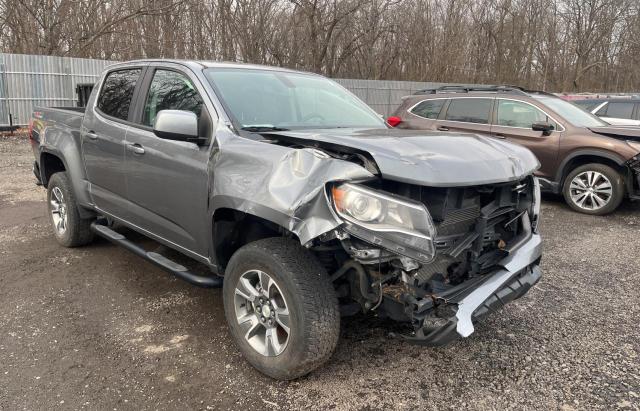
[(28, 80)]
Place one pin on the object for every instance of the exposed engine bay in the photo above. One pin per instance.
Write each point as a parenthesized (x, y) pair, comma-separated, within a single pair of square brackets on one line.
[(473, 228)]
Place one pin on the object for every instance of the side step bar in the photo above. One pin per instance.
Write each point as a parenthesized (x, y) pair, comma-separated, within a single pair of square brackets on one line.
[(161, 261)]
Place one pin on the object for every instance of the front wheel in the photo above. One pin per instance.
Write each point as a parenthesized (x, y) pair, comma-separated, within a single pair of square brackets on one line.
[(281, 308), (594, 189)]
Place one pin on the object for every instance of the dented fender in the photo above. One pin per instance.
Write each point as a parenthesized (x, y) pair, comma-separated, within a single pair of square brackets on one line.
[(281, 184)]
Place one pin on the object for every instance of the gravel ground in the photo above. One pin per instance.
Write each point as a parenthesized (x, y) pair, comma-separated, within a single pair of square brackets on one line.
[(98, 328)]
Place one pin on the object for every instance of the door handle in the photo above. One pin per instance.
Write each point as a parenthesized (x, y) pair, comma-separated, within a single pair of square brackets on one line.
[(443, 128), (135, 148), (500, 135), (92, 135)]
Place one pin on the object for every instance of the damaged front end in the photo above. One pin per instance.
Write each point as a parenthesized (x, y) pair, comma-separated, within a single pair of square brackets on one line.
[(436, 258)]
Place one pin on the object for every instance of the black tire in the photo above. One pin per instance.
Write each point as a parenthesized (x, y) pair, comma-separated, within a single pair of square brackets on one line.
[(310, 299), (77, 230), (617, 189)]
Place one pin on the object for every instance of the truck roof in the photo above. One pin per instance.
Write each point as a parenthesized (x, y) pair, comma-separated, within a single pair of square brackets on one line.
[(199, 64)]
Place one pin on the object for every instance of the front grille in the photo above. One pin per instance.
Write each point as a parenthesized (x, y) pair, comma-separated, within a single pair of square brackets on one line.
[(475, 226)]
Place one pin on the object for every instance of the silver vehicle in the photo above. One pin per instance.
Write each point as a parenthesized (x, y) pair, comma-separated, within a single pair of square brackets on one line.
[(299, 196), (618, 112)]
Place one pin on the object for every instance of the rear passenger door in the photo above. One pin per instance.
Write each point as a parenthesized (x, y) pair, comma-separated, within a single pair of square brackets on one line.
[(513, 120), (103, 132), (167, 180), (466, 114)]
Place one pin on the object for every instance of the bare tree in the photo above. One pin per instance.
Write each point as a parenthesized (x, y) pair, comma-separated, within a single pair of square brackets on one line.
[(558, 45)]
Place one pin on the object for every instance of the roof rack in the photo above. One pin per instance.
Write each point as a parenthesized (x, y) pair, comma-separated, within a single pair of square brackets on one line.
[(470, 89)]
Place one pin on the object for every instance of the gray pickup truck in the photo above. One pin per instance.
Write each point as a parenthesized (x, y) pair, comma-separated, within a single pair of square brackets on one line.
[(299, 196)]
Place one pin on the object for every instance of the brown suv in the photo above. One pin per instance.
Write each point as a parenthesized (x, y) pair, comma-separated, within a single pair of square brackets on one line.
[(593, 164)]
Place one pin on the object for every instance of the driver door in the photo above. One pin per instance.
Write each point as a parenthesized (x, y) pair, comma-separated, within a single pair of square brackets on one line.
[(167, 180), (513, 120)]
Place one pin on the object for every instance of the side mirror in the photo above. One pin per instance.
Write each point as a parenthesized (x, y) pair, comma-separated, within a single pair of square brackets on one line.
[(179, 125), (546, 128)]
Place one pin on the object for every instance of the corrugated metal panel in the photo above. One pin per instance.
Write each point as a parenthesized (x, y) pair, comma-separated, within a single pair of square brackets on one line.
[(28, 80), (31, 80)]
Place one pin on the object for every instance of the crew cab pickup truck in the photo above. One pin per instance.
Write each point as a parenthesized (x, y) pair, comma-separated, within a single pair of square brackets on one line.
[(297, 195)]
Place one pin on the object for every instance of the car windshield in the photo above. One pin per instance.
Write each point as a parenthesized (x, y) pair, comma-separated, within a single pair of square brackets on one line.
[(573, 114), (263, 100)]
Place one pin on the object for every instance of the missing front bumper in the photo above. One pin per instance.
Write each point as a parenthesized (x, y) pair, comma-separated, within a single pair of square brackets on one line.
[(520, 272)]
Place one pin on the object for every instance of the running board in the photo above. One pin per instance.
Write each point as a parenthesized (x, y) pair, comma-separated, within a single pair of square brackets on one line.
[(161, 261)]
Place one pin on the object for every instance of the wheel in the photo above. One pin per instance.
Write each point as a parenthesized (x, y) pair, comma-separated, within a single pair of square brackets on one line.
[(70, 230), (594, 189), (281, 308)]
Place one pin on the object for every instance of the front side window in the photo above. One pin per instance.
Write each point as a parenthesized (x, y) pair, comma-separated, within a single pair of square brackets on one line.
[(517, 114), (290, 100), (116, 93), (620, 110), (429, 108), (170, 90), (469, 110)]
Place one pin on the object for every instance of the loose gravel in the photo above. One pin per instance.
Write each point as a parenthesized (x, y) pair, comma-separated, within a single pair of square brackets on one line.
[(98, 328)]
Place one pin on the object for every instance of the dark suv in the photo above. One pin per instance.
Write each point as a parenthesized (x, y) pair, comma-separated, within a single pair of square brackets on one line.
[(593, 164)]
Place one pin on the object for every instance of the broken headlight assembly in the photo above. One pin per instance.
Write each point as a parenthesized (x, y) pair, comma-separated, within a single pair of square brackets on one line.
[(398, 225)]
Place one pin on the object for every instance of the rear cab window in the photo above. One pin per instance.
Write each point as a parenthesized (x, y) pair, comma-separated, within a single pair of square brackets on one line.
[(469, 110), (116, 93)]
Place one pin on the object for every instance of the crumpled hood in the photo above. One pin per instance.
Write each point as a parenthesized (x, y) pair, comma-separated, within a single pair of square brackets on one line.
[(427, 158), (618, 132)]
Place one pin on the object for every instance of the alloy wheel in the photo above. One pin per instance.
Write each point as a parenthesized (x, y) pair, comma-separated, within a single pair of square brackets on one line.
[(262, 313), (58, 209), (590, 190)]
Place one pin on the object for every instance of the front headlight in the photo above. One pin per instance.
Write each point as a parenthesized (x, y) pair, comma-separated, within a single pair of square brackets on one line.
[(399, 225)]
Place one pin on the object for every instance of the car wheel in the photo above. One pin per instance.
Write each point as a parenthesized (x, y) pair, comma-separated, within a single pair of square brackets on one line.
[(594, 189), (281, 308), (68, 227)]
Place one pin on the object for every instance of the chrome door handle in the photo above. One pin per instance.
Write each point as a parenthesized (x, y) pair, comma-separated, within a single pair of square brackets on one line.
[(92, 135), (135, 148), (501, 135), (443, 128)]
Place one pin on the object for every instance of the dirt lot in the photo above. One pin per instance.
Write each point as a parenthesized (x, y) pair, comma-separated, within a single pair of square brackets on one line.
[(99, 328)]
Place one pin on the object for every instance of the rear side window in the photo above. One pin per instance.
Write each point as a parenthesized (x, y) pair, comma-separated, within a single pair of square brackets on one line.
[(170, 90), (469, 110), (429, 108), (117, 91), (620, 110)]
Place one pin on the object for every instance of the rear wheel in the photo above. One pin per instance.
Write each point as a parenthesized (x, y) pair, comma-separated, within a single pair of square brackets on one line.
[(281, 308), (69, 228), (594, 189)]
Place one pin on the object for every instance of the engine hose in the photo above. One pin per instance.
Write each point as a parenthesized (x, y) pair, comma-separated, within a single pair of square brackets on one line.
[(363, 278)]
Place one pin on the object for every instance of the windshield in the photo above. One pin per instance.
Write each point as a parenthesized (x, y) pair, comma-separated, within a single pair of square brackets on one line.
[(573, 114), (262, 100)]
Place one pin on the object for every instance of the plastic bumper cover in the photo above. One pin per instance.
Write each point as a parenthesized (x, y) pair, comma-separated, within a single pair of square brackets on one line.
[(520, 272)]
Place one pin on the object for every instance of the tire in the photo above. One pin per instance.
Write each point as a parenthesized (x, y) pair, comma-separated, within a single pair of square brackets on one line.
[(73, 231), (596, 177), (303, 286)]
